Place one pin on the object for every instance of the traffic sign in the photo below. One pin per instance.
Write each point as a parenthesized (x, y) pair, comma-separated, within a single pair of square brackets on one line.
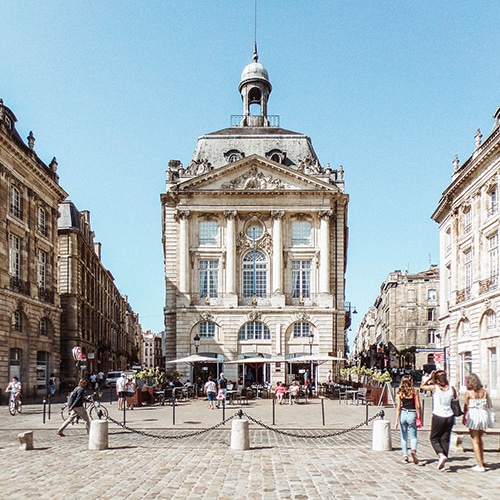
[(77, 353)]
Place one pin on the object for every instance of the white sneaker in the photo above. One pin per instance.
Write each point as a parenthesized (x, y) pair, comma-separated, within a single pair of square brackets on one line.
[(477, 468)]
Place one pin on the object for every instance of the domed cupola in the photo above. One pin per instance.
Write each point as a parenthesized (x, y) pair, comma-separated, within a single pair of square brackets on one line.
[(255, 89)]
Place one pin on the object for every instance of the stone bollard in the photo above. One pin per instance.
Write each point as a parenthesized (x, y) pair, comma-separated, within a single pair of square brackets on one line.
[(26, 440), (240, 439), (382, 435), (98, 435)]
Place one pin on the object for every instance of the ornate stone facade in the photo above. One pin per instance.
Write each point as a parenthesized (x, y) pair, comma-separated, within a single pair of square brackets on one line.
[(469, 225), (255, 240), (29, 301), (401, 329)]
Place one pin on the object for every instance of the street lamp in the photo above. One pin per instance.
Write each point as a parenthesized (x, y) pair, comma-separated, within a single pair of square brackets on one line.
[(196, 339), (311, 341)]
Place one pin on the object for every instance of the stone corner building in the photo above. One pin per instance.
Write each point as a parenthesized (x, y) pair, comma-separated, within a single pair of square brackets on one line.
[(29, 303), (469, 224), (96, 317), (255, 241), (400, 330)]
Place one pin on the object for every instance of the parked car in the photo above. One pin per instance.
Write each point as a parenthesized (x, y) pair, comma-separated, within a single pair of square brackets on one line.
[(112, 378)]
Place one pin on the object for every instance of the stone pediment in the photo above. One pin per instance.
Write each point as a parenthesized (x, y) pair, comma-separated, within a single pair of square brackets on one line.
[(254, 174)]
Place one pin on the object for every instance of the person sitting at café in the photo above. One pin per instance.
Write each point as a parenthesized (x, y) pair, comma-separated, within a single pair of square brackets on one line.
[(293, 392), (279, 392), (230, 385)]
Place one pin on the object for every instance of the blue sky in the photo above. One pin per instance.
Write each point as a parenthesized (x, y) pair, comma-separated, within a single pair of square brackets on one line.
[(391, 90)]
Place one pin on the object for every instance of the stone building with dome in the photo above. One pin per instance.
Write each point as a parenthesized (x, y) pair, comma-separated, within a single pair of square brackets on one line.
[(255, 241)]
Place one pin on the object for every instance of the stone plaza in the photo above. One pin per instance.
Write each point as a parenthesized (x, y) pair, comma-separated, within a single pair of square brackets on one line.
[(288, 457)]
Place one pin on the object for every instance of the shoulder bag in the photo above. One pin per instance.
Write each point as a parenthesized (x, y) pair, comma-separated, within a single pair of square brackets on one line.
[(455, 404)]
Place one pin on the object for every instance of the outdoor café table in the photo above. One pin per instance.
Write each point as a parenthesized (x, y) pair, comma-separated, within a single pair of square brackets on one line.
[(256, 387), (230, 397), (353, 393)]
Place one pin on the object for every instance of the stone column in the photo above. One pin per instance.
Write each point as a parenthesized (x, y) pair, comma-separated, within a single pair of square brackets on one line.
[(277, 283), (182, 217), (231, 251), (324, 249)]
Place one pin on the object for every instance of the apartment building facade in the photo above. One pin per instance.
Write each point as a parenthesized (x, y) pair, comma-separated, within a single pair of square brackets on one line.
[(469, 225)]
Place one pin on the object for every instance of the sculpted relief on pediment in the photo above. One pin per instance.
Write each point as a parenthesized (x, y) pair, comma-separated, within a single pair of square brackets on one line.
[(255, 179)]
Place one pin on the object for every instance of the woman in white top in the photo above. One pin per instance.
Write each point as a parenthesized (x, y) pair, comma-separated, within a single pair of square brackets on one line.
[(443, 418), (477, 417)]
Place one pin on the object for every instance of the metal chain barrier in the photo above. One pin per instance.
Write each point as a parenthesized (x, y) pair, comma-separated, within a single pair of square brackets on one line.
[(302, 436), (180, 436), (240, 414)]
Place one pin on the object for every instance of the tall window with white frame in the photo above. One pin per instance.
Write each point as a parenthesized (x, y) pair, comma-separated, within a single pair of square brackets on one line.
[(15, 203), (255, 271), (468, 272), (301, 279), (301, 233), (493, 201), (209, 233), (42, 221), (208, 273), (42, 270), (493, 368), (491, 320), (493, 259), (465, 367), (14, 256), (468, 220), (431, 336)]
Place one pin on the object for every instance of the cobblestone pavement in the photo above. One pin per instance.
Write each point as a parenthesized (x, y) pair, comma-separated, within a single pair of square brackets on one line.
[(203, 465)]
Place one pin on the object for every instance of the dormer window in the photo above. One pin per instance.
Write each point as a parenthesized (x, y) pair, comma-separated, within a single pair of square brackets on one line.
[(276, 155), (233, 155)]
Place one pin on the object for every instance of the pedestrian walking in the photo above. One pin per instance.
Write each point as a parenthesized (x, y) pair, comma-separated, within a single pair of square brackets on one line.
[(222, 386), (52, 384), (443, 418), (210, 390), (121, 390), (75, 407), (476, 417), (408, 410), (130, 393)]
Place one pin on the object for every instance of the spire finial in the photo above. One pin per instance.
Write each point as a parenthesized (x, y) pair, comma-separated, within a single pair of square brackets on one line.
[(255, 54)]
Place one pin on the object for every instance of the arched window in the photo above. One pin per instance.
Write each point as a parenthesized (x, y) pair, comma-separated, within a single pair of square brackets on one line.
[(16, 321), (301, 329), (254, 330), (207, 329), (42, 327), (255, 269)]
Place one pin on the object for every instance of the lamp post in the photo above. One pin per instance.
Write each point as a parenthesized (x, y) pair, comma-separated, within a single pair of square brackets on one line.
[(196, 339), (311, 341)]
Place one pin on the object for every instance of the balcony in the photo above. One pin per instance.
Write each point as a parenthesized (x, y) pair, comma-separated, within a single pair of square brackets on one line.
[(462, 295), (488, 284), (46, 295), (20, 286)]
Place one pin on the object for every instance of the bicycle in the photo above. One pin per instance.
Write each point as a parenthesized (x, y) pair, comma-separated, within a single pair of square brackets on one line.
[(93, 407), (15, 405)]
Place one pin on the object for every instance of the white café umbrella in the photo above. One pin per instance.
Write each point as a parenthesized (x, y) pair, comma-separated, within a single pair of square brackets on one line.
[(195, 358), (314, 358)]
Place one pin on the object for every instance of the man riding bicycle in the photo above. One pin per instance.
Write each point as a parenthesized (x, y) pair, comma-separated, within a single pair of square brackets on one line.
[(15, 389)]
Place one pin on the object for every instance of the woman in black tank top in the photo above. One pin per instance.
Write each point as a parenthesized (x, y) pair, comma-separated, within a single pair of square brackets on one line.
[(407, 411)]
